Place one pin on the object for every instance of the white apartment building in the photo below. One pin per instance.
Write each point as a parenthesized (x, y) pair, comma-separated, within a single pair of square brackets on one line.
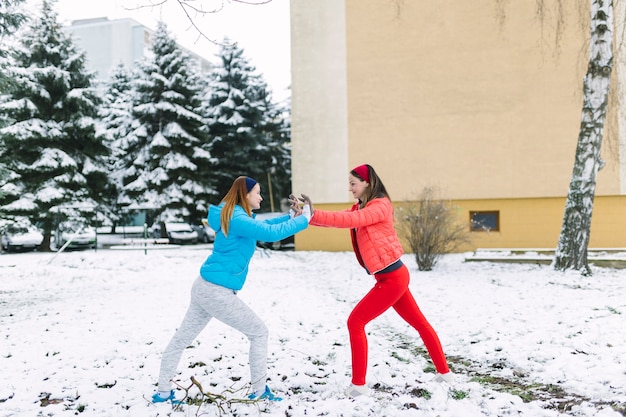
[(108, 43)]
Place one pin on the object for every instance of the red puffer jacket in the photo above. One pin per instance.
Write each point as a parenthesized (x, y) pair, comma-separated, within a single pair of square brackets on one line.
[(374, 237)]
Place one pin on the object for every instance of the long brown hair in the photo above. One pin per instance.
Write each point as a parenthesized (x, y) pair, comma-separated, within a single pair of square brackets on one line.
[(237, 195), (375, 190)]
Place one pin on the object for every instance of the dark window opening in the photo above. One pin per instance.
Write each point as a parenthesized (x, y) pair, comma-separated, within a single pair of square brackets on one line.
[(484, 221)]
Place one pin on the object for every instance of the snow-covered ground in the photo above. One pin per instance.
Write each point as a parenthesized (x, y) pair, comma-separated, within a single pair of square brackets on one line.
[(82, 334)]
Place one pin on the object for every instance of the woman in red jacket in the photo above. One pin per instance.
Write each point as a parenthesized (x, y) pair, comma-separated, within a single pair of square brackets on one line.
[(378, 250)]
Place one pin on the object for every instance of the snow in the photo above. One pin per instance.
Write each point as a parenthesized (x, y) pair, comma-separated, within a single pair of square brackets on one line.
[(54, 158), (82, 333)]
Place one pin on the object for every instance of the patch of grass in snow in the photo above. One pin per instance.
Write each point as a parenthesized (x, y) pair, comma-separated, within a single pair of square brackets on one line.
[(457, 394), (317, 362), (69, 402), (420, 393), (620, 408), (525, 392), (395, 354), (552, 396), (430, 369), (613, 310), (106, 384)]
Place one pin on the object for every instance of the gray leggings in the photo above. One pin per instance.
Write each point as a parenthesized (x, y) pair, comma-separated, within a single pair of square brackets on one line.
[(207, 301)]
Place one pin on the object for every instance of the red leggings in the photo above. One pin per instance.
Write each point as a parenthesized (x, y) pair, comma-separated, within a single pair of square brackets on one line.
[(391, 290)]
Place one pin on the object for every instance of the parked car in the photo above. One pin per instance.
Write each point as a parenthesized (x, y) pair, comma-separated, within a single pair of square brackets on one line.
[(204, 232), (79, 236), (21, 237), (176, 232), (285, 244)]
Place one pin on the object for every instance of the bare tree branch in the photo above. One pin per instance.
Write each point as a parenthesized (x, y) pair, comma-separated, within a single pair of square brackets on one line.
[(195, 9)]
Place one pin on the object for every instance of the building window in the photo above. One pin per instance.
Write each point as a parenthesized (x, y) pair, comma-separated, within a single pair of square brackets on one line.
[(484, 221)]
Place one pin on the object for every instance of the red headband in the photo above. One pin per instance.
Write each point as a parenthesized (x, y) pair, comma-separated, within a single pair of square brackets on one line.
[(363, 172)]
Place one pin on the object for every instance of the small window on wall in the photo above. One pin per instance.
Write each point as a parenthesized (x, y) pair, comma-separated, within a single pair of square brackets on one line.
[(484, 221)]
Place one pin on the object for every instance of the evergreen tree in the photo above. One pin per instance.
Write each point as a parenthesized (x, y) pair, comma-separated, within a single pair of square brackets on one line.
[(11, 18), (249, 133), (10, 21), (52, 148), (279, 133), (170, 168), (117, 119)]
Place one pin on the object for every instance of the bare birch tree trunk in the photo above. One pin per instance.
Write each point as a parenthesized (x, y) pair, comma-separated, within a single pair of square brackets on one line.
[(571, 252)]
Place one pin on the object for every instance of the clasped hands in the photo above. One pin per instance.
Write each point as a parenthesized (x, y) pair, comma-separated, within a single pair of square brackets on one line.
[(296, 210)]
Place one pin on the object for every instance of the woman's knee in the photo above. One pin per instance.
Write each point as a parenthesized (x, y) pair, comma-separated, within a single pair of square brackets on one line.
[(264, 331), (260, 332), (355, 323)]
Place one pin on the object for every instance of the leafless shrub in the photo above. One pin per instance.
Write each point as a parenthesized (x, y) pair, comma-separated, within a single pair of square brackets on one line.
[(431, 228)]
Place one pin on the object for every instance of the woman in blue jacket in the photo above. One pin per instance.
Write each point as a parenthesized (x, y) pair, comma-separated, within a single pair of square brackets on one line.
[(214, 292)]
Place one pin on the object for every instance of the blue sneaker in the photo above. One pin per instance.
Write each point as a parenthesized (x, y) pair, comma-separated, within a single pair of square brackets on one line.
[(265, 395), (157, 398)]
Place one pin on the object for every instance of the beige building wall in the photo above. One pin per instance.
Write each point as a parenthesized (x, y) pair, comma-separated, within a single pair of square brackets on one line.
[(524, 223), (475, 98), (319, 99), (616, 142)]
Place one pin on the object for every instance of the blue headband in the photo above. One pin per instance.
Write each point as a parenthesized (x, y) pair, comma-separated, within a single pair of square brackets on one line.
[(250, 183)]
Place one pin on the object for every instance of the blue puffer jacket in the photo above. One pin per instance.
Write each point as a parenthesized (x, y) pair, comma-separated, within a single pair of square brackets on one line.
[(228, 264)]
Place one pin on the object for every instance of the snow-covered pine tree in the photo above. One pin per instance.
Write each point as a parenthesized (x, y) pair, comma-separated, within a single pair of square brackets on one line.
[(170, 169), (117, 120), (278, 131), (52, 147), (249, 136), (11, 17)]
